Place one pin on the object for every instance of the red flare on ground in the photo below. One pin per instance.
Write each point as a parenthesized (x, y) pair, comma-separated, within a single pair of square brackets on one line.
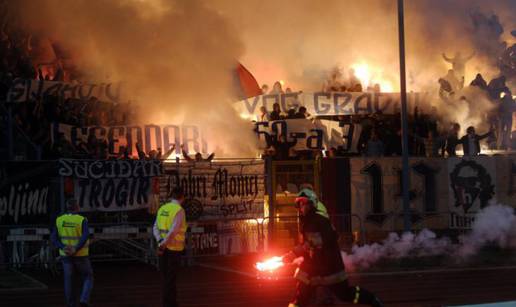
[(270, 264)]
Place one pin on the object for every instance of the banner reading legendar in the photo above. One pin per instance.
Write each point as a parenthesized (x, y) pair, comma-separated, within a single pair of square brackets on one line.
[(218, 190), (150, 137), (328, 103), (113, 185)]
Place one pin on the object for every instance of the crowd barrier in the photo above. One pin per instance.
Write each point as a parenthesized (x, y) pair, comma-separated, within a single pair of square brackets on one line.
[(34, 193)]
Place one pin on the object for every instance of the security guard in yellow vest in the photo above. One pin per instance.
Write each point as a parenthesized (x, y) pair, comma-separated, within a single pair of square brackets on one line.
[(169, 231), (70, 234)]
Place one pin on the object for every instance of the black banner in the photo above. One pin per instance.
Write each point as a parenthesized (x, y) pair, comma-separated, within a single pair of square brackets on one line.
[(28, 193)]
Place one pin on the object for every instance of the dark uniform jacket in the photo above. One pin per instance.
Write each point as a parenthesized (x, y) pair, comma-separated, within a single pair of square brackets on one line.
[(320, 248)]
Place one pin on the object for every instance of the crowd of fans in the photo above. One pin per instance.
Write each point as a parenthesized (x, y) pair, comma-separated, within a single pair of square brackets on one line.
[(429, 134), (33, 118)]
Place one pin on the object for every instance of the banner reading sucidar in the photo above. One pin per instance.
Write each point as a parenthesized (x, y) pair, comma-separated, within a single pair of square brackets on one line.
[(111, 185)]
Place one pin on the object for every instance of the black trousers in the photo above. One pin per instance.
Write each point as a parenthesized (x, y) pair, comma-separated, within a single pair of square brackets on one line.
[(357, 295), (169, 263)]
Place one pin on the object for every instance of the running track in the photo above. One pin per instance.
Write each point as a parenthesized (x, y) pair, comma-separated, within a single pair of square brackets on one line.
[(137, 285)]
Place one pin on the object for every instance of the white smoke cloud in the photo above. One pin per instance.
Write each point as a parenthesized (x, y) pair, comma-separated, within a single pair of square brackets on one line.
[(495, 224)]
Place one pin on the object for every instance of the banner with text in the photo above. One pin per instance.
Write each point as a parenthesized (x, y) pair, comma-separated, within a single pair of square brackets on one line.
[(328, 103), (27, 192), (150, 137), (376, 193), (204, 239), (445, 193), (216, 191), (305, 134), (30, 89), (111, 185)]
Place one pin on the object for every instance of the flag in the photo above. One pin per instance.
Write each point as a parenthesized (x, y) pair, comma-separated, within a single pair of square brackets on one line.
[(246, 84)]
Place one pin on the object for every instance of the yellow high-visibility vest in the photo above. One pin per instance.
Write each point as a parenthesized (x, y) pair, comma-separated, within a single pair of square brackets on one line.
[(69, 230), (321, 210), (164, 219)]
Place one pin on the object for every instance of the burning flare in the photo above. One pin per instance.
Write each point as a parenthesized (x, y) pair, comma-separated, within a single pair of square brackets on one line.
[(270, 264), (369, 76)]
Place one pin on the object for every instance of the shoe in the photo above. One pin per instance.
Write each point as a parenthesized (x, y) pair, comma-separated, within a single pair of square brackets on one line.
[(84, 304), (377, 302)]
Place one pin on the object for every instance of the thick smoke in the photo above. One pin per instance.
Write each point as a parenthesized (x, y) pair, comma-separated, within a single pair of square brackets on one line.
[(301, 42), (175, 58), (495, 224)]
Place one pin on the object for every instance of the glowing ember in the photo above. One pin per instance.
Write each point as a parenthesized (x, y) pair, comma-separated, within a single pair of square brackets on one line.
[(270, 264)]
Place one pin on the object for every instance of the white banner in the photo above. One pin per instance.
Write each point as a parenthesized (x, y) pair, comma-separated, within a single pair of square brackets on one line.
[(328, 103), (472, 185), (217, 191), (27, 89), (305, 134)]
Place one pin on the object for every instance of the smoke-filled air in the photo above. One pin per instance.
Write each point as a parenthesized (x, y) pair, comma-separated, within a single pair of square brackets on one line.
[(176, 58), (494, 225)]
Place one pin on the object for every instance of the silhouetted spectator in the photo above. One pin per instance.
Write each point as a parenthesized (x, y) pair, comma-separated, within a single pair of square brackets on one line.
[(452, 140), (291, 114), (374, 147), (471, 141), (301, 113), (264, 115), (123, 153), (459, 64), (333, 84), (141, 153), (352, 79), (265, 89), (452, 79), (479, 82), (445, 89), (197, 157), (277, 88), (507, 107), (496, 87), (276, 112), (357, 88)]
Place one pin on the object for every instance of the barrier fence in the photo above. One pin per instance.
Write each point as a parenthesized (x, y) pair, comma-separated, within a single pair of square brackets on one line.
[(226, 199), (31, 245)]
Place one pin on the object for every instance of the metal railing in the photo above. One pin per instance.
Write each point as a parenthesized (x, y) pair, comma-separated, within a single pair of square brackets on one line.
[(31, 244)]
